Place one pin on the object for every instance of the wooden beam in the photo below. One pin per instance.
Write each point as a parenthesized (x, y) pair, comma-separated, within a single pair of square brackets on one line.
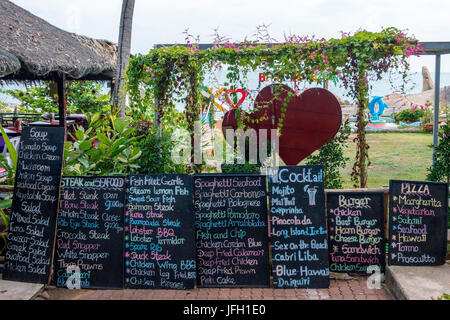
[(442, 47), (26, 76)]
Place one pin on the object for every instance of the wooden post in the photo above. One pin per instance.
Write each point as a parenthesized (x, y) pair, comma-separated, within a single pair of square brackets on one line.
[(361, 132), (61, 81), (437, 85)]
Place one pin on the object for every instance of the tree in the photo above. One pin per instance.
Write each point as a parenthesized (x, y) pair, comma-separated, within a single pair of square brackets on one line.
[(123, 59), (82, 97)]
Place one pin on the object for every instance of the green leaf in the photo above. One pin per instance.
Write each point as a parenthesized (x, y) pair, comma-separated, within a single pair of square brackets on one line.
[(85, 145), (122, 158), (119, 125), (136, 155), (4, 218), (95, 117), (5, 203), (84, 162), (103, 138), (79, 134)]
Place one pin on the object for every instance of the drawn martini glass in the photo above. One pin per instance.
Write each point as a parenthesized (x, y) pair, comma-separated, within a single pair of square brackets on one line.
[(311, 194)]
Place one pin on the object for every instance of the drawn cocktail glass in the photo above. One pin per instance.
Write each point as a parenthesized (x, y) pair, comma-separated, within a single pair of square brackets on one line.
[(312, 196)]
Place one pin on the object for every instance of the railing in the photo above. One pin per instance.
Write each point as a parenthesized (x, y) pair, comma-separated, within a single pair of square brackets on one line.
[(9, 119)]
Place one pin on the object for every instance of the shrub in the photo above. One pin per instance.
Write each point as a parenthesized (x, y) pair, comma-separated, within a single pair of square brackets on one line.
[(107, 147), (427, 115), (82, 97), (445, 296), (5, 204), (240, 168), (156, 152), (440, 170), (409, 115)]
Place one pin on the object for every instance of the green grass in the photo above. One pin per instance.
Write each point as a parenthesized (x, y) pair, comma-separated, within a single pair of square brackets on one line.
[(393, 155)]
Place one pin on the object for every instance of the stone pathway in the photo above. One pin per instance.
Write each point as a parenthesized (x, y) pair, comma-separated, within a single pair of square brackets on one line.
[(418, 283), (355, 289)]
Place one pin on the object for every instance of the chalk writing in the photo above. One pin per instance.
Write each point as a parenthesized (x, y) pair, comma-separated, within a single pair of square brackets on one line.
[(298, 227), (90, 231), (159, 232), (231, 230), (417, 223), (35, 203), (356, 231)]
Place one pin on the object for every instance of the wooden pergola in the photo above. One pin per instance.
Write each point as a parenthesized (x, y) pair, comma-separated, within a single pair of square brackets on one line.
[(430, 48)]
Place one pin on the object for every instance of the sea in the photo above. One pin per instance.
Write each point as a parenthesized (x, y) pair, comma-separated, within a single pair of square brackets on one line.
[(390, 83)]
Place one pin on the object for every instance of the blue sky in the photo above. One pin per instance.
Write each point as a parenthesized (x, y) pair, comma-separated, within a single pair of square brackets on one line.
[(164, 21)]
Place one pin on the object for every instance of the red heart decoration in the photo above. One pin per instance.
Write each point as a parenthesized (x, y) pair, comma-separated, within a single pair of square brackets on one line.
[(227, 98), (311, 120)]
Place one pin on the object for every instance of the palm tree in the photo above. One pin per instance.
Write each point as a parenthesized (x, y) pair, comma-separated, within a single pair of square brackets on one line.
[(124, 47)]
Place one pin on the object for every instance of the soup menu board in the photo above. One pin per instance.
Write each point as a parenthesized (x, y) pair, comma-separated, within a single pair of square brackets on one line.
[(298, 227), (231, 230), (90, 232), (31, 235), (159, 232), (417, 223), (356, 231)]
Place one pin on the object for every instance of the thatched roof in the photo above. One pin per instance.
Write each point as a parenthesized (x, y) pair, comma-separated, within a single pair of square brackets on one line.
[(44, 50), (8, 63)]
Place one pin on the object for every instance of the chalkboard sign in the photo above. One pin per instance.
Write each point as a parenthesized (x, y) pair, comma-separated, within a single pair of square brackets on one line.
[(417, 223), (159, 232), (298, 227), (31, 235), (90, 232), (356, 232), (231, 230)]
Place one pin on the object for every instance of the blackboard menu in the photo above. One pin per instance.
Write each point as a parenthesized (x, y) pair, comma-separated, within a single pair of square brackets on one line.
[(31, 235), (231, 230), (417, 223), (356, 231), (90, 232), (159, 232), (298, 227)]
